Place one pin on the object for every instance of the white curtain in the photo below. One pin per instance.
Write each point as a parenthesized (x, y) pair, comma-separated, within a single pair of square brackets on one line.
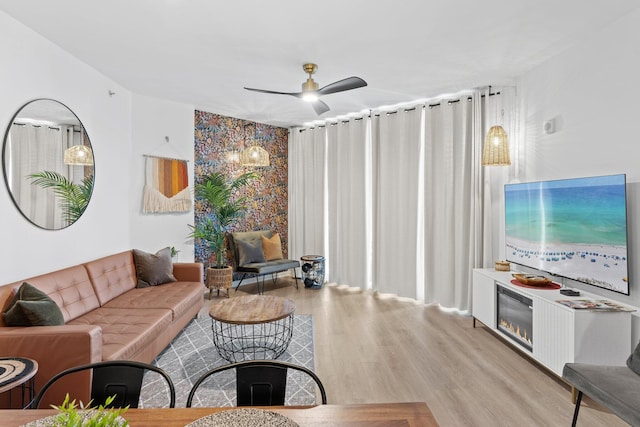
[(307, 151), (453, 200), (349, 203), (396, 150), (32, 149), (411, 210)]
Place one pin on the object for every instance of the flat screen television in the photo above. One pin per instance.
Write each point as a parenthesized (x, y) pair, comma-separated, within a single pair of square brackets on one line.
[(574, 228)]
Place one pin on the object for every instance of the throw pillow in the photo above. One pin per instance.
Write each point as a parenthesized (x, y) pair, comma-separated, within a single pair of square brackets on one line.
[(153, 269), (272, 247), (633, 362), (32, 307), (249, 251)]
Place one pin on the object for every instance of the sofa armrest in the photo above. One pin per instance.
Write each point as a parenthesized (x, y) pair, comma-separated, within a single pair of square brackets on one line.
[(55, 348), (188, 271)]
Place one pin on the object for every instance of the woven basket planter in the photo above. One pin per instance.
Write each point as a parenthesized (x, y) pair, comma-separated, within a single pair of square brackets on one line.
[(219, 278)]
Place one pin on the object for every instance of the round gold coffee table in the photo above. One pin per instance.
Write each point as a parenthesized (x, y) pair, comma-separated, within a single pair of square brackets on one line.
[(252, 327)]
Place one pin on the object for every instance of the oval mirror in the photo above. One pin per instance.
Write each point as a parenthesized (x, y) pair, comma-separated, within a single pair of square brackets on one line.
[(48, 164)]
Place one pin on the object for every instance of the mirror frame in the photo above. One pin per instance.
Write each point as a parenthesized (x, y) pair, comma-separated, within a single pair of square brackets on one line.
[(85, 137)]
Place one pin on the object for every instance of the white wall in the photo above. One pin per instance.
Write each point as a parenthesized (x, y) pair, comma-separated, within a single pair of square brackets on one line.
[(153, 120), (592, 92), (34, 68)]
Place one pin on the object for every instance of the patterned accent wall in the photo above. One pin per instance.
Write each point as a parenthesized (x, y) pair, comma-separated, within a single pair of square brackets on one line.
[(216, 137)]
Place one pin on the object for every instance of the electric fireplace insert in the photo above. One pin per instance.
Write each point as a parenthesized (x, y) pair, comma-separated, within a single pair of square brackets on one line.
[(515, 316)]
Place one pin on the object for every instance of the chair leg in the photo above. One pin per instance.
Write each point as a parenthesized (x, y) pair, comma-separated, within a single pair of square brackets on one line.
[(295, 275), (575, 412), (240, 282)]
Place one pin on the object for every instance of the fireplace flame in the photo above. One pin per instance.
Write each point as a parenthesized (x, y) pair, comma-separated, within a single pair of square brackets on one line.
[(516, 331)]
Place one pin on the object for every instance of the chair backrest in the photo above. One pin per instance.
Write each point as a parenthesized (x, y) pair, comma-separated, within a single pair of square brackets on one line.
[(122, 378), (259, 382)]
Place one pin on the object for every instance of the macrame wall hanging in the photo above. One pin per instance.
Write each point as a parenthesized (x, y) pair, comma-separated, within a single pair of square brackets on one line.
[(166, 186)]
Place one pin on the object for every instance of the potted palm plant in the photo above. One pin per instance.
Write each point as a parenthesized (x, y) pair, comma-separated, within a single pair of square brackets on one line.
[(73, 198), (218, 193)]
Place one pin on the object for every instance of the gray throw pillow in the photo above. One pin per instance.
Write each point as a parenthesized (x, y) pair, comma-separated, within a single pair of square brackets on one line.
[(250, 251), (32, 307), (633, 362), (153, 269)]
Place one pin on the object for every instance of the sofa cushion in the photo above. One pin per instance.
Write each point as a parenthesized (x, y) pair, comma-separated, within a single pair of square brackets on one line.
[(250, 251), (70, 288), (246, 236), (178, 297), (32, 307), (153, 269), (272, 247), (126, 332), (112, 275)]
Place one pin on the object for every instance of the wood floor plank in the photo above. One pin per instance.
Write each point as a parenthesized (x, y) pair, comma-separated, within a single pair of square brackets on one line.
[(370, 348)]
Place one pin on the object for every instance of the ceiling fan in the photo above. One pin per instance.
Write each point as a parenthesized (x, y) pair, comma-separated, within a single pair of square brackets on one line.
[(311, 93)]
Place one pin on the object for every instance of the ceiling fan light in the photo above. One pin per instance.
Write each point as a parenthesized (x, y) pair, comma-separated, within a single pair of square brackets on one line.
[(310, 96)]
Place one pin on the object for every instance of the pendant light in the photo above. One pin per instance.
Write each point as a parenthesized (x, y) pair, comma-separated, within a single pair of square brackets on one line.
[(78, 155), (496, 145), (254, 156)]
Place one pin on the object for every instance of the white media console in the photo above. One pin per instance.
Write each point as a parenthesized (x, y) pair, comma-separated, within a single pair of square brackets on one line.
[(559, 334)]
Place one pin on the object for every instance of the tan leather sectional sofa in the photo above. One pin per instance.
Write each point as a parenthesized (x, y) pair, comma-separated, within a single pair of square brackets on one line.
[(106, 317)]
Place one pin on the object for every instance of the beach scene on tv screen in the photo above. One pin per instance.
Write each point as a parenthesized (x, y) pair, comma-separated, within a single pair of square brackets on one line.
[(574, 228)]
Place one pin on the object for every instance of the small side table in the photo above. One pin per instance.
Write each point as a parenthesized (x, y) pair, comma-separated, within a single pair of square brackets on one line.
[(18, 371), (312, 271)]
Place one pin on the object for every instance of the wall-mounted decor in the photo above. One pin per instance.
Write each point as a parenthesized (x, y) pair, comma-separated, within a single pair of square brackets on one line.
[(49, 188), (166, 186)]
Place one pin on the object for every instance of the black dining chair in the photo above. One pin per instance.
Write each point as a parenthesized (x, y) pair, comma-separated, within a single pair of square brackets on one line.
[(119, 378), (259, 382)]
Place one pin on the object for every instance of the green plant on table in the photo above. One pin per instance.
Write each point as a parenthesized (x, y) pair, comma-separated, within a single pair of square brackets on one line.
[(76, 415), (217, 191)]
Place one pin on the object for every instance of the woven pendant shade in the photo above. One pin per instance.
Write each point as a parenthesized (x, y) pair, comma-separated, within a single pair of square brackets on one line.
[(254, 156), (78, 155), (496, 148)]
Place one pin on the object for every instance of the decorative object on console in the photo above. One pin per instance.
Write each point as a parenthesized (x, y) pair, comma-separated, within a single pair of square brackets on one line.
[(166, 186), (531, 279), (153, 269), (32, 307), (503, 266)]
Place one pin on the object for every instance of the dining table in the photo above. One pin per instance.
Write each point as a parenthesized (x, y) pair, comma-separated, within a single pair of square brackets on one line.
[(410, 414)]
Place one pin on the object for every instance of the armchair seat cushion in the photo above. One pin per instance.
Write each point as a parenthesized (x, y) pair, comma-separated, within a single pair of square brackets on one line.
[(615, 387), (268, 267)]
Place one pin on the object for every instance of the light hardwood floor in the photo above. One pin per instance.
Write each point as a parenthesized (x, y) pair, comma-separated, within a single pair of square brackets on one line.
[(370, 348)]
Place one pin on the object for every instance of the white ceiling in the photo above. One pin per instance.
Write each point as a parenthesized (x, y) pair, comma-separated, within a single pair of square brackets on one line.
[(203, 52)]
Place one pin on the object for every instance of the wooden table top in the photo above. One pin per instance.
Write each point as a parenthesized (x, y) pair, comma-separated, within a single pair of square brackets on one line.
[(415, 414), (252, 309)]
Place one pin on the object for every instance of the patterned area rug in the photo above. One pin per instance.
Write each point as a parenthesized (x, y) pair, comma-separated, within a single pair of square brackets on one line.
[(192, 353)]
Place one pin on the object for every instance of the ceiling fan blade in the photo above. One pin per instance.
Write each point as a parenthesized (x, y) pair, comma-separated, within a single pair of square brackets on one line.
[(296, 94), (342, 85), (320, 107)]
